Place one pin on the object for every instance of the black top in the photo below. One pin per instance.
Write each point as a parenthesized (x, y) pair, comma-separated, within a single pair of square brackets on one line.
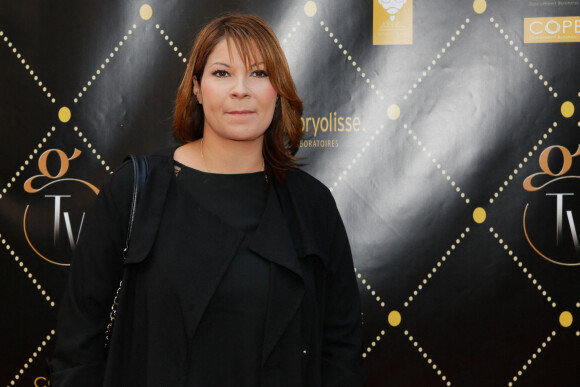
[(176, 261), (232, 328)]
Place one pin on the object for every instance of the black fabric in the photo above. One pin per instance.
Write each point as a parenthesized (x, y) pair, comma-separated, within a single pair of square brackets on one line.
[(237, 199), (232, 327), (313, 328)]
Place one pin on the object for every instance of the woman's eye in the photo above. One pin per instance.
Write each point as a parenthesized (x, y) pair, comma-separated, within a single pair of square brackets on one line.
[(220, 73), (259, 74)]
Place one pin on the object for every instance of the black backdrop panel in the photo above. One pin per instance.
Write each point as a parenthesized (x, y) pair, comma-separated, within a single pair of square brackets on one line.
[(446, 130)]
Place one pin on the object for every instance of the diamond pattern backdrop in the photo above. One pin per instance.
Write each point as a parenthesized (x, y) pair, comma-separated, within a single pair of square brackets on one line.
[(466, 278)]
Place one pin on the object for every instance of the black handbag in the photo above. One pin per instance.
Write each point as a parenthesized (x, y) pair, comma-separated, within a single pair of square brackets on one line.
[(140, 169)]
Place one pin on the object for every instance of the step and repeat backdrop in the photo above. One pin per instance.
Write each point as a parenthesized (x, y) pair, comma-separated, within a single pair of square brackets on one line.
[(448, 132)]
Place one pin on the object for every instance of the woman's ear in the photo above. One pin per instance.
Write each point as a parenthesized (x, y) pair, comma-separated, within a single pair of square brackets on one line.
[(197, 91)]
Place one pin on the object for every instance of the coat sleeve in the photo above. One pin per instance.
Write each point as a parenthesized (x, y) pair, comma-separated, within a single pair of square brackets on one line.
[(342, 327), (96, 268)]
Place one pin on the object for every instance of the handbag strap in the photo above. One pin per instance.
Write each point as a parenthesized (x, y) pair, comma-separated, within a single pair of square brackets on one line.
[(140, 169)]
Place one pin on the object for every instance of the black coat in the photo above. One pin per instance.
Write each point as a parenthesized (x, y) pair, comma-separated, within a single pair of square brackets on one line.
[(313, 323)]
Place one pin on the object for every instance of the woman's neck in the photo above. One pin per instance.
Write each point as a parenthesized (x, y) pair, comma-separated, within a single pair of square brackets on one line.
[(220, 155)]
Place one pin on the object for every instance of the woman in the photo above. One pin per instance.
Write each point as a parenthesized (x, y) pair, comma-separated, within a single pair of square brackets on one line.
[(239, 271)]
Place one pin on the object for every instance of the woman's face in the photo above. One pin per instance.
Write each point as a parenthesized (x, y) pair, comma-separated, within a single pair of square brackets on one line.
[(238, 102)]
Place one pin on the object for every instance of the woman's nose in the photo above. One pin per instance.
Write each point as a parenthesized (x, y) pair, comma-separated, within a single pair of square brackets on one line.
[(240, 88)]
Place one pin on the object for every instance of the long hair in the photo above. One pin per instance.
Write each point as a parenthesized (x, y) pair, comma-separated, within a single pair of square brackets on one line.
[(252, 38)]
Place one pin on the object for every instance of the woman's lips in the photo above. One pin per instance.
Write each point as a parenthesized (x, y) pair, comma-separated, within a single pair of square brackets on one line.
[(241, 112)]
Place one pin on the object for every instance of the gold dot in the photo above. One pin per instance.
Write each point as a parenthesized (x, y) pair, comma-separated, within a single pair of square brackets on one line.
[(479, 215), (394, 318), (393, 112), (146, 12), (64, 114), (567, 109), (479, 6), (566, 319), (310, 8)]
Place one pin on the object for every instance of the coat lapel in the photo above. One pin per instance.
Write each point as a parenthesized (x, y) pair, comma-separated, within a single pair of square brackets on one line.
[(272, 241), (302, 223), (200, 257), (150, 206)]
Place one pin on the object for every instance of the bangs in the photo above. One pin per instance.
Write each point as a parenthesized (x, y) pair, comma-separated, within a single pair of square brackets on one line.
[(252, 46)]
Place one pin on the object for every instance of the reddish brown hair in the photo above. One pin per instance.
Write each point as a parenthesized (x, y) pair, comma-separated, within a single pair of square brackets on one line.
[(252, 37)]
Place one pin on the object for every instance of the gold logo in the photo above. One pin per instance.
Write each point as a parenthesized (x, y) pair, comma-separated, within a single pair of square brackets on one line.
[(554, 203), (392, 22), (552, 29), (59, 199)]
